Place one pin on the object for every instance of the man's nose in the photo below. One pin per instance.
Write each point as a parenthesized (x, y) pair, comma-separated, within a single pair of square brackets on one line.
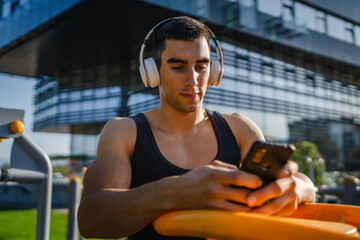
[(192, 78)]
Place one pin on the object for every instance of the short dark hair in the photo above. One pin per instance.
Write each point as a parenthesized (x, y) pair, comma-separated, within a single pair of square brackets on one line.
[(178, 28)]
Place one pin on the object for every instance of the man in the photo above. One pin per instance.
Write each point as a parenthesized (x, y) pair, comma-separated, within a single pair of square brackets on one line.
[(178, 155)]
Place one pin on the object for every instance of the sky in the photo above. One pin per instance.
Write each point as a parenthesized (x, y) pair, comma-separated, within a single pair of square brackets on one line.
[(18, 93)]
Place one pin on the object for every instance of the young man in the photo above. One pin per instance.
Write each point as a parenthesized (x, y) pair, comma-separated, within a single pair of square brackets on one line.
[(178, 155)]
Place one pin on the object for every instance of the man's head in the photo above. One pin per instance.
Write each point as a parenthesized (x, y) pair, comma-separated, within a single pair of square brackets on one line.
[(183, 67), (178, 28)]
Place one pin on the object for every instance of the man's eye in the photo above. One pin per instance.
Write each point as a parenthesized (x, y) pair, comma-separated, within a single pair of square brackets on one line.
[(178, 68), (202, 67)]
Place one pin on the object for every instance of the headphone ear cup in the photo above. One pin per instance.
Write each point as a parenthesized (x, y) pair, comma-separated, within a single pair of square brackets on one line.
[(152, 73), (143, 75), (215, 73)]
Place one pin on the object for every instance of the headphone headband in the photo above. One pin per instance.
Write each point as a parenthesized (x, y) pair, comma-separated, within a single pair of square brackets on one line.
[(149, 64)]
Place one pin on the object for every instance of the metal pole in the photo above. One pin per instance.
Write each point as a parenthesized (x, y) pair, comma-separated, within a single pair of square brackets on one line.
[(321, 170), (74, 201), (310, 169), (45, 190), (350, 193)]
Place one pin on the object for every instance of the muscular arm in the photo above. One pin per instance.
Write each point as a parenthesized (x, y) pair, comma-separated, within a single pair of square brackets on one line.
[(290, 190), (106, 198), (109, 209)]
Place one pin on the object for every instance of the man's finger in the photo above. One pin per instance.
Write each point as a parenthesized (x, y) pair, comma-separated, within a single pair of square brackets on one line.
[(289, 169), (228, 206), (281, 206), (271, 191)]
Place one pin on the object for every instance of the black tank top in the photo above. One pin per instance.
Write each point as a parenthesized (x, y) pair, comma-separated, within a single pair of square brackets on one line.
[(148, 164)]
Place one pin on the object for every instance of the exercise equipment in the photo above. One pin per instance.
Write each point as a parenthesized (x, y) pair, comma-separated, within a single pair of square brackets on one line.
[(310, 221), (30, 166)]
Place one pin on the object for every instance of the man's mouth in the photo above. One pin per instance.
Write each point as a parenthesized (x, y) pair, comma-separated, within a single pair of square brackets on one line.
[(190, 95)]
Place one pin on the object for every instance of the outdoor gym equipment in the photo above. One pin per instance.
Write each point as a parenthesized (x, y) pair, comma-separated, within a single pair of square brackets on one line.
[(310, 221), (30, 166)]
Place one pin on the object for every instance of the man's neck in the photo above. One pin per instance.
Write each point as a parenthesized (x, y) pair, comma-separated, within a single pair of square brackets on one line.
[(172, 120)]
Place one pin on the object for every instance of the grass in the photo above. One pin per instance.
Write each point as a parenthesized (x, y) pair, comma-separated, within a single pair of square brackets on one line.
[(21, 224)]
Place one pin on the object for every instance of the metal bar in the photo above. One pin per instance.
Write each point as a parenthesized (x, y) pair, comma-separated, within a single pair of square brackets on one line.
[(74, 200), (23, 176), (45, 193)]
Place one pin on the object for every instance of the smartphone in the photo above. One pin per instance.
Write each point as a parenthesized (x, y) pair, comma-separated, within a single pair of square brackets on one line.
[(266, 160)]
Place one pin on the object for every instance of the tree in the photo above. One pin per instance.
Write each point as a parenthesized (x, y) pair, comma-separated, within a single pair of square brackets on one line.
[(306, 149)]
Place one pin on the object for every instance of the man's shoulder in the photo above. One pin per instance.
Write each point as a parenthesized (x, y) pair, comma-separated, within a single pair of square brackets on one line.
[(237, 118), (120, 125), (242, 126)]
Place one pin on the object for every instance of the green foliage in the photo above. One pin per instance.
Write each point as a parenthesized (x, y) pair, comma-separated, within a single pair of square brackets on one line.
[(63, 169), (6, 165), (306, 149)]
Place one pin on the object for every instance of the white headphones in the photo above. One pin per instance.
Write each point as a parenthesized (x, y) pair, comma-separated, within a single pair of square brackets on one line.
[(150, 74)]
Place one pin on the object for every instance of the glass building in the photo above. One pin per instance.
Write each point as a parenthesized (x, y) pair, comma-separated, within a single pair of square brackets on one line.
[(292, 66)]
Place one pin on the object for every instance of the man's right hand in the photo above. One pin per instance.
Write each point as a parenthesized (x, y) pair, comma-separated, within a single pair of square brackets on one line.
[(212, 187)]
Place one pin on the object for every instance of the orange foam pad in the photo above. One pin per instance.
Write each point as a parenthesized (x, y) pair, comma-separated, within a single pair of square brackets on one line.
[(241, 225)]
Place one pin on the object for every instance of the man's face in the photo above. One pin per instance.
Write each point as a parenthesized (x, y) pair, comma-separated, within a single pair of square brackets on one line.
[(184, 73)]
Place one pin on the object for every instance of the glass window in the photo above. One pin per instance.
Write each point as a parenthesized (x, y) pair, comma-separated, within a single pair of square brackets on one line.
[(242, 72), (305, 15), (226, 46), (75, 107), (114, 90), (349, 32), (6, 9), (100, 92), (256, 90), (230, 70), (280, 81), (320, 22), (241, 87), (292, 97), (241, 51), (113, 102), (357, 35), (301, 87), (87, 92), (100, 103), (63, 107), (280, 94), (255, 76), (287, 14), (268, 92), (272, 7), (278, 130), (87, 105), (336, 27), (227, 85), (247, 3), (247, 14), (74, 95), (63, 95), (268, 78)]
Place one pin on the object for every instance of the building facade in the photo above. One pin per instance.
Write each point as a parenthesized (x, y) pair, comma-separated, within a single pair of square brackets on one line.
[(292, 66)]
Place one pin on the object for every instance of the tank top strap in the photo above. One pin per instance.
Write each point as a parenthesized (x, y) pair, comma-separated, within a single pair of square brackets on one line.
[(224, 134), (142, 131)]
